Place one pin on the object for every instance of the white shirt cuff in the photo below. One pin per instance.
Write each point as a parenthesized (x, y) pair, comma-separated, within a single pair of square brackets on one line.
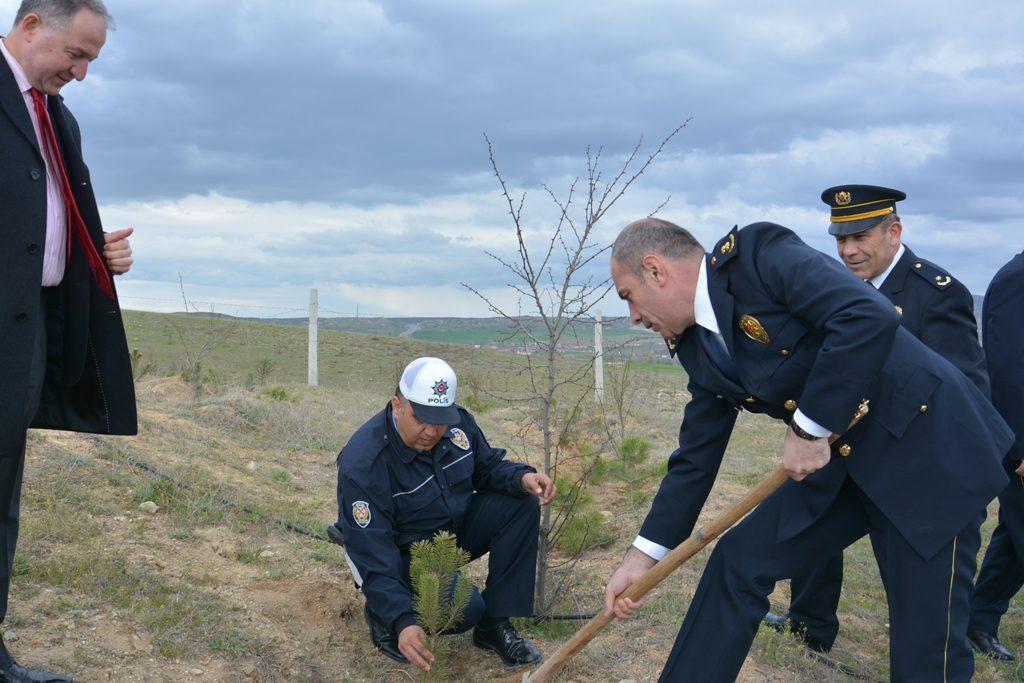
[(810, 426), (650, 548)]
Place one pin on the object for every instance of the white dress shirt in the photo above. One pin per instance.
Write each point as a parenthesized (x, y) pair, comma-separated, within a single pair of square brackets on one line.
[(877, 281), (55, 248)]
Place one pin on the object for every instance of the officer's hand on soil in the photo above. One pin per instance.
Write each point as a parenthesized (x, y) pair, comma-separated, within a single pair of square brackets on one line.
[(117, 251), (801, 457), (634, 564), (540, 485), (410, 644)]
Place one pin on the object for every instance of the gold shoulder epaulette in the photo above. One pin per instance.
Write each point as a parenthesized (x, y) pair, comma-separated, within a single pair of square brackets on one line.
[(932, 274), (725, 249)]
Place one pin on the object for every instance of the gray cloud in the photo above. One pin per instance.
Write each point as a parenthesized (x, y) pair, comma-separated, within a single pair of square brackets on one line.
[(365, 117)]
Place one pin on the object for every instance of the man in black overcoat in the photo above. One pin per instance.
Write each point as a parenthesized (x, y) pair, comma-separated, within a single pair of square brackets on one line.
[(64, 361)]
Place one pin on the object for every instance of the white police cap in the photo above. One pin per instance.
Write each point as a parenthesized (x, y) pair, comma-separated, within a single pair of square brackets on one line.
[(429, 385)]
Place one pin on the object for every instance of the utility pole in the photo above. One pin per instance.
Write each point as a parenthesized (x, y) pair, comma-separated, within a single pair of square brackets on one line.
[(598, 359), (313, 305)]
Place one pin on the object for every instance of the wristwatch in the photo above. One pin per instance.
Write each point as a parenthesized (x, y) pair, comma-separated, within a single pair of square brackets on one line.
[(803, 434)]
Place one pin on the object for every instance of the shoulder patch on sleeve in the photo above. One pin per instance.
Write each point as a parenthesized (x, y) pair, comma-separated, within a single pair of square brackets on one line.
[(725, 248), (932, 274), (361, 513)]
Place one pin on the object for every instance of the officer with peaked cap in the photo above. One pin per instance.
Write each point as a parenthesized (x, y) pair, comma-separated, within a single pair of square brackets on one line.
[(1002, 572), (420, 466), (766, 323), (933, 306)]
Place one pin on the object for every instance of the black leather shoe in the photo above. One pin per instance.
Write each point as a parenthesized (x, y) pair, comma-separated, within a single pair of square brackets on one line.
[(776, 621), (783, 624), (15, 673), (12, 672), (988, 645), (811, 642), (502, 637), (382, 637)]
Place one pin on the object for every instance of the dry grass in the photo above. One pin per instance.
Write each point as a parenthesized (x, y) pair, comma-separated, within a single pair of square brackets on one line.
[(205, 590)]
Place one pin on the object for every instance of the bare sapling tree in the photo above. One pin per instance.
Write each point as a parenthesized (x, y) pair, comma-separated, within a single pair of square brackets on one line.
[(198, 340), (624, 398), (557, 283)]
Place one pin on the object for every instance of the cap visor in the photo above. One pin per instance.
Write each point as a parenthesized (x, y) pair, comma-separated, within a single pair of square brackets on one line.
[(853, 227), (436, 415)]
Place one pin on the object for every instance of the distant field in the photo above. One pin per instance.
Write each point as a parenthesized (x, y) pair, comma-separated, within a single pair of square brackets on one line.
[(469, 336), (492, 331)]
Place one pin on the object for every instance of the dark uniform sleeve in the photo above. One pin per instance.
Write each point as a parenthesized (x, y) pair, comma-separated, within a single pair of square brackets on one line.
[(1004, 348), (372, 549), (949, 328), (491, 472), (692, 468), (859, 324)]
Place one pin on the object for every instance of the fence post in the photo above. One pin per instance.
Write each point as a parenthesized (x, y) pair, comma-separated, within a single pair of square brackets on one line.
[(598, 359), (313, 304)]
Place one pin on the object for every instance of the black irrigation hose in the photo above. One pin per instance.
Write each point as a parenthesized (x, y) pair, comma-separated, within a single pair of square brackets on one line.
[(564, 617), (146, 467), (244, 508), (225, 501)]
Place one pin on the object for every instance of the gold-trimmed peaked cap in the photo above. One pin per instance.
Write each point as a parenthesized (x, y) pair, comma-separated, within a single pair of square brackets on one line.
[(856, 208)]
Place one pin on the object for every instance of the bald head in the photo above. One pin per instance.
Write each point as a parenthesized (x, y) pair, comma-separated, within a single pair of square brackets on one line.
[(653, 236)]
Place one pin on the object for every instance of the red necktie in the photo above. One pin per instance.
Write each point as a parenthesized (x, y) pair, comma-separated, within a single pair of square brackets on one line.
[(75, 224)]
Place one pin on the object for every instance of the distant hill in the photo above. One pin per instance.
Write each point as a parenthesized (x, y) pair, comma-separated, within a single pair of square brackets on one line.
[(620, 337)]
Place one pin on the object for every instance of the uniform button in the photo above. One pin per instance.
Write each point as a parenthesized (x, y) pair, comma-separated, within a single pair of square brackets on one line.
[(22, 317), (33, 248), (750, 399), (784, 352), (790, 404), (917, 265), (845, 450), (35, 173), (923, 408)]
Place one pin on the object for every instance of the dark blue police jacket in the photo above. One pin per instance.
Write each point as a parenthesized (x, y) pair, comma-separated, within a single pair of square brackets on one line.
[(928, 454), (390, 496), (1003, 334), (939, 310)]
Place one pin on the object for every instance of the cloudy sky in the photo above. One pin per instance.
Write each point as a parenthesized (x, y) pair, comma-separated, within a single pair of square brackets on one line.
[(261, 147)]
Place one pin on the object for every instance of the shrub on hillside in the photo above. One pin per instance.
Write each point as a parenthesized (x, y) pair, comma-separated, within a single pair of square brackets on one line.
[(634, 449)]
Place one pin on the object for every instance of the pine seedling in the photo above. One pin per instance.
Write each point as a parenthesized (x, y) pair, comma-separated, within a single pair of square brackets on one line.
[(442, 593)]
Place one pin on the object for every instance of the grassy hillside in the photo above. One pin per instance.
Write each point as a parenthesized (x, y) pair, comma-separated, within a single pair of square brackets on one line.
[(619, 336), (212, 587)]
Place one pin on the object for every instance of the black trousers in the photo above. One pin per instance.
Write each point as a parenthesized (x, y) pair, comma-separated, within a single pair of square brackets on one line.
[(12, 465), (814, 597), (1002, 572), (506, 527), (929, 599)]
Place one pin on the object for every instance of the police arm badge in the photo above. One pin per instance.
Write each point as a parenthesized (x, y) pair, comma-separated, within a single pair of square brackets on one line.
[(361, 513)]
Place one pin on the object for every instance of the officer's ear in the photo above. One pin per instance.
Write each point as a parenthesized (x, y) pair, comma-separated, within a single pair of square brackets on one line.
[(652, 267), (895, 230), (396, 404)]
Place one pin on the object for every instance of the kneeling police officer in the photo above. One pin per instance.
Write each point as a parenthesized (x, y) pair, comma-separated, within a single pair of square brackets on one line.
[(420, 466)]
